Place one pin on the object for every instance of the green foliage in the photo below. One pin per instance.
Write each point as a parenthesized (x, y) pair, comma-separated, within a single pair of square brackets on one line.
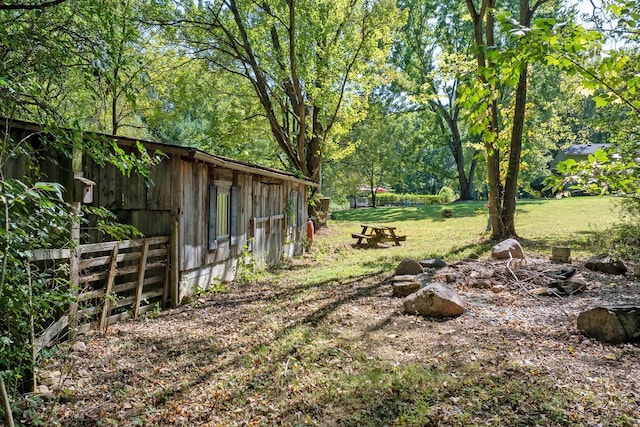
[(32, 216), (604, 172), (395, 199), (447, 194), (626, 236), (107, 224), (311, 65)]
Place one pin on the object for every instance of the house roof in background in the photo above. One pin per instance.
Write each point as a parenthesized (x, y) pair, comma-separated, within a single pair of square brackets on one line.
[(191, 152), (583, 149)]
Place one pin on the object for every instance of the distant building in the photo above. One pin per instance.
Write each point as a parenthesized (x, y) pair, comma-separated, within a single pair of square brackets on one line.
[(577, 152)]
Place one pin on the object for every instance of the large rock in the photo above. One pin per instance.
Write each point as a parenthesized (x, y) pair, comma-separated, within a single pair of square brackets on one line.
[(606, 264), (434, 300), (615, 324), (404, 288), (408, 266), (506, 247)]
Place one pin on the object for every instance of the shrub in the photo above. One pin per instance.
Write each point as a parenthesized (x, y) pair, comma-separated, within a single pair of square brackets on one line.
[(626, 236), (447, 194), (394, 199)]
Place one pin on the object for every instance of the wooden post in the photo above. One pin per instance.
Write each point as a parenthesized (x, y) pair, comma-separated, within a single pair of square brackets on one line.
[(74, 256), (74, 271), (174, 241), (106, 308), (560, 254), (141, 272)]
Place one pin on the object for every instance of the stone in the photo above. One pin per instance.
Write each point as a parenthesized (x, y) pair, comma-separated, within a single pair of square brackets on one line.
[(605, 264), (481, 284), (434, 300), (79, 346), (408, 266), (615, 324), (404, 278), (482, 273), (448, 277), (403, 289), (434, 263), (49, 378), (498, 289), (506, 247)]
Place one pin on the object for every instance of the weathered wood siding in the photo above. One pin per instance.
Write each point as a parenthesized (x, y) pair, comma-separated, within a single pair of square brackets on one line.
[(193, 214), (145, 204), (268, 221)]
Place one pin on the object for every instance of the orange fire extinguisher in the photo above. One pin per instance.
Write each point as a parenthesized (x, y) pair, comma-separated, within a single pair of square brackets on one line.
[(310, 230)]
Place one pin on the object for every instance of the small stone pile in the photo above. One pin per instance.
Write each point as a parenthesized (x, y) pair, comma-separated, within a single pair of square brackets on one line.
[(427, 288), (414, 282)]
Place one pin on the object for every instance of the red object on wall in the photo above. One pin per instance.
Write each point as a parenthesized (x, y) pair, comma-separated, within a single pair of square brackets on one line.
[(310, 230)]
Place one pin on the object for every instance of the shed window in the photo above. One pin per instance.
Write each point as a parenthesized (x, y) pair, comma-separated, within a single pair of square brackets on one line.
[(223, 211), (222, 221), (295, 209)]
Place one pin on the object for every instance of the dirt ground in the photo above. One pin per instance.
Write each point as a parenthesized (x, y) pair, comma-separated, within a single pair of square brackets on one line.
[(262, 354)]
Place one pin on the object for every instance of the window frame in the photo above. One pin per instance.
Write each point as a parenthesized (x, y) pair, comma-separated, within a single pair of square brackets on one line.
[(231, 192)]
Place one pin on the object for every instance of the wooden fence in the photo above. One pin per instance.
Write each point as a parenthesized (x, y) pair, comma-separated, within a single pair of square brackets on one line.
[(113, 281)]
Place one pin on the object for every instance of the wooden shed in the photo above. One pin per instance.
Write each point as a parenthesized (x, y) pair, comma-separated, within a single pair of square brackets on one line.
[(213, 211)]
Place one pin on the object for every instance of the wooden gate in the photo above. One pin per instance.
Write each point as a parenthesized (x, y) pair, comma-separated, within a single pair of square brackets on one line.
[(115, 280), (267, 239), (268, 223)]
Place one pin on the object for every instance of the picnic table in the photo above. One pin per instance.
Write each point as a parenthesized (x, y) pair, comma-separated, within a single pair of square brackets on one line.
[(374, 234)]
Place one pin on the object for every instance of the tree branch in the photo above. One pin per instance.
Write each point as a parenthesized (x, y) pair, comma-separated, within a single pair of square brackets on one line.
[(29, 6)]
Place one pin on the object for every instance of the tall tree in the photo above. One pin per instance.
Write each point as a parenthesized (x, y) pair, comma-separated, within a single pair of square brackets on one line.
[(311, 64), (497, 72), (431, 51)]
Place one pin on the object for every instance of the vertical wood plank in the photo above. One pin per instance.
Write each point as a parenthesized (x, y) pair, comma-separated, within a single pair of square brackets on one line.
[(175, 241), (167, 278), (74, 271), (141, 273), (111, 277)]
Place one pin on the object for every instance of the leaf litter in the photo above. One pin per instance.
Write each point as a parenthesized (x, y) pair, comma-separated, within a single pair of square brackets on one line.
[(344, 353)]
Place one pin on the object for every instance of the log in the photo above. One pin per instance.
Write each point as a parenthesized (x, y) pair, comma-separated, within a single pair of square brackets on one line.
[(613, 324)]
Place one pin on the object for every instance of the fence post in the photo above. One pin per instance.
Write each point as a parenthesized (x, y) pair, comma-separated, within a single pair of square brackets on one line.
[(106, 308), (141, 272), (74, 271)]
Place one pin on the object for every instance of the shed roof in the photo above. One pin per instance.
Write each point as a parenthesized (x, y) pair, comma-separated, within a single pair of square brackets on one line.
[(190, 152)]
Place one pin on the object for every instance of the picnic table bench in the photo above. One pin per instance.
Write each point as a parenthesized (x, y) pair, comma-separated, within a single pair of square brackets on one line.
[(374, 234)]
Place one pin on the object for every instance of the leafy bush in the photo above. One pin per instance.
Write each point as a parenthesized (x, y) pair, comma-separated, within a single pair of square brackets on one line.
[(447, 194), (393, 199), (32, 216), (626, 235)]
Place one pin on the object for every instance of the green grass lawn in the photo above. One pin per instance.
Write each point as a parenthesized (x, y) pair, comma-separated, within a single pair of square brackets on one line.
[(539, 223), (580, 223)]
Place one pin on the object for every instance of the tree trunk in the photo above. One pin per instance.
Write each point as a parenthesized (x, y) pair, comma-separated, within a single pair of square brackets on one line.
[(458, 154), (515, 148), (6, 404), (515, 151), (466, 192), (485, 15)]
